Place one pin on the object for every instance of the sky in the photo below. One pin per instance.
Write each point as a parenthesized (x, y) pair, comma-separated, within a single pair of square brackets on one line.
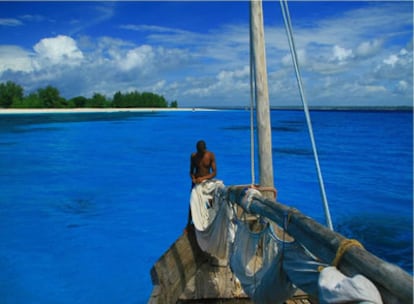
[(350, 53)]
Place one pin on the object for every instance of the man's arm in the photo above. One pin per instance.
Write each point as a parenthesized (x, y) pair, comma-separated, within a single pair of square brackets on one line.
[(192, 167), (213, 166)]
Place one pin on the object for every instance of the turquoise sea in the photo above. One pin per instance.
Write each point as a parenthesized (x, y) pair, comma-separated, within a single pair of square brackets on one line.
[(89, 202)]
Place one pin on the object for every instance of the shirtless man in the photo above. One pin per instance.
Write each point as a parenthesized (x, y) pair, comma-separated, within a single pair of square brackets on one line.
[(202, 164), (202, 167)]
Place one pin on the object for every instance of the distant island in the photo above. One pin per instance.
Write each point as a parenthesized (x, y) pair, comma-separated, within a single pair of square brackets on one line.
[(12, 97)]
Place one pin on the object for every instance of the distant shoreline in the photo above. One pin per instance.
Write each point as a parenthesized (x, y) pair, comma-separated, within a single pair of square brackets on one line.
[(98, 110), (189, 109), (324, 108)]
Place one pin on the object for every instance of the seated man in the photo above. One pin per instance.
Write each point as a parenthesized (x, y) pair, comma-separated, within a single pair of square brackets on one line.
[(202, 164), (202, 167)]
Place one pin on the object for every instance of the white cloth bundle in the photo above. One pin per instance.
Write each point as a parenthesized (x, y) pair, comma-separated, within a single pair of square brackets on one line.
[(212, 218), (335, 287)]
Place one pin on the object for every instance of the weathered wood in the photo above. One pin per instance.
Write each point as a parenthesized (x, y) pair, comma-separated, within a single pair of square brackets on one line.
[(394, 284), (175, 268), (185, 274), (264, 135), (213, 282), (216, 301)]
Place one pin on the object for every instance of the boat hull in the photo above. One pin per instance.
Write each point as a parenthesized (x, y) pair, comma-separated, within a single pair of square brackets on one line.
[(186, 274)]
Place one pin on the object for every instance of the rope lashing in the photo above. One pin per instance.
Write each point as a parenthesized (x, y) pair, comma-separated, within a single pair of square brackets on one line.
[(289, 32), (247, 196), (343, 247), (265, 189), (289, 215)]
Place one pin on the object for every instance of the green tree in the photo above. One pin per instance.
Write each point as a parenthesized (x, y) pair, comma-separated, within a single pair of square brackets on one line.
[(117, 100), (133, 99), (50, 97), (97, 101), (153, 100), (28, 102), (78, 102), (9, 93)]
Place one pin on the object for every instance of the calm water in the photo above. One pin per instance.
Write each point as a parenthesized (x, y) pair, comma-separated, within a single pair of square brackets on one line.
[(88, 202)]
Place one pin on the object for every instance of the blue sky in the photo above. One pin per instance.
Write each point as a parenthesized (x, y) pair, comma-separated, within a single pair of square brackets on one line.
[(351, 53)]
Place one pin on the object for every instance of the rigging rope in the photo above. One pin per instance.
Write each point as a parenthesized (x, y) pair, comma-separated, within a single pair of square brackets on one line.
[(288, 27)]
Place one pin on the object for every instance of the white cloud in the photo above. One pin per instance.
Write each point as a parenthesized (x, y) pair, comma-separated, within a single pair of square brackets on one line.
[(391, 60), (396, 66), (35, 18), (302, 58), (140, 57), (227, 76), (10, 22), (375, 88), (225, 86), (368, 48), (152, 28), (58, 50), (159, 86), (100, 12), (14, 58), (351, 56), (402, 86), (341, 54), (231, 81)]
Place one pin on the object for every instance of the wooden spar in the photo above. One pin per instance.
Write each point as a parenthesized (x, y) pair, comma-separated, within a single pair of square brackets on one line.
[(394, 284), (262, 94)]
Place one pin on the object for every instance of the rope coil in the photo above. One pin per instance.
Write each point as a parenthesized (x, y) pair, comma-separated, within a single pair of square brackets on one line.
[(343, 247)]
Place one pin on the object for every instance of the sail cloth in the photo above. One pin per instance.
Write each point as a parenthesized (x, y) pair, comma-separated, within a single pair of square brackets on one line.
[(334, 287), (256, 261), (212, 216), (300, 265), (268, 268)]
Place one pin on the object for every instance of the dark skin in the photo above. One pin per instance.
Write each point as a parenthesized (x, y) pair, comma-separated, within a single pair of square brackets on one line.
[(202, 167), (202, 164)]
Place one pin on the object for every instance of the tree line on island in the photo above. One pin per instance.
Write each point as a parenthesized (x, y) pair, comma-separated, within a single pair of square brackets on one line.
[(12, 96)]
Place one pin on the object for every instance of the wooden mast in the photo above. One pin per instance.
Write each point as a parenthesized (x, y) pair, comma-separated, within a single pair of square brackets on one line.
[(262, 94)]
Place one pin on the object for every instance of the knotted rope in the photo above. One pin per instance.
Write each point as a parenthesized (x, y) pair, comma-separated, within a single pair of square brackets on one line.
[(343, 247)]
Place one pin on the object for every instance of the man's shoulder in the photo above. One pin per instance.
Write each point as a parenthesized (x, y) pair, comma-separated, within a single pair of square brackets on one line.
[(210, 154)]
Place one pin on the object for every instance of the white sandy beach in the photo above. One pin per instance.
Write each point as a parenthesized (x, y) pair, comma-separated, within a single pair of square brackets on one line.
[(97, 110)]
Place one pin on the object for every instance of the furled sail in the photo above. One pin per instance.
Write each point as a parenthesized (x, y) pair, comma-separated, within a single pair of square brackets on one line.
[(211, 217), (268, 267)]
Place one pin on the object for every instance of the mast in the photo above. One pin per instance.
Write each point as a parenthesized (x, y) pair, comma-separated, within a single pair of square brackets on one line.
[(262, 94)]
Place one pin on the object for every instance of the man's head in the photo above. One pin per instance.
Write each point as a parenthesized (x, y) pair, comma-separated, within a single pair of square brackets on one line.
[(201, 146)]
